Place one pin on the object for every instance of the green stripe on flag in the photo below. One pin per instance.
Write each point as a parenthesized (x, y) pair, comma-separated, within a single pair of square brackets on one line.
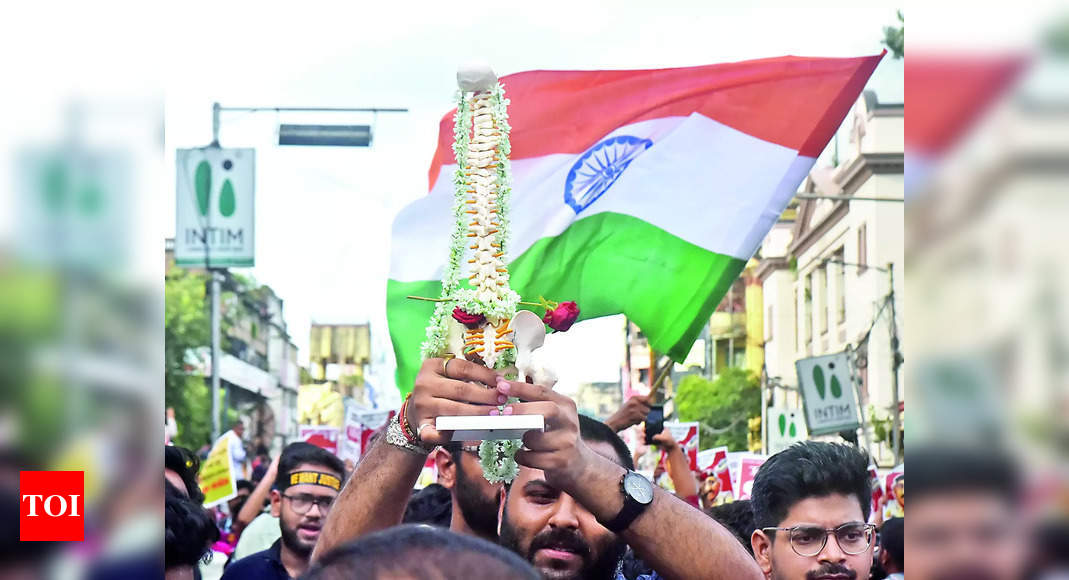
[(608, 263), (408, 321)]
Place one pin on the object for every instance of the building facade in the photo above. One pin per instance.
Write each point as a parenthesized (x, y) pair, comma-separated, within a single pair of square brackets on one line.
[(258, 370), (827, 271)]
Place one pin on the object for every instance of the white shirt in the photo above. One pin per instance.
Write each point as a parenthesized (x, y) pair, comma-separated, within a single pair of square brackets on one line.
[(237, 454)]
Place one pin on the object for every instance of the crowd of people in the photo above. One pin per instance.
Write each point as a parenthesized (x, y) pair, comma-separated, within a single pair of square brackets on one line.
[(577, 508)]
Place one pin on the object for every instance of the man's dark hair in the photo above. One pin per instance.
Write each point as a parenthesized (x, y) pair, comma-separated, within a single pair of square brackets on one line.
[(186, 464), (189, 530), (736, 516), (809, 469), (948, 470), (244, 484), (420, 551), (594, 430), (300, 452), (891, 540), (258, 473), (432, 505)]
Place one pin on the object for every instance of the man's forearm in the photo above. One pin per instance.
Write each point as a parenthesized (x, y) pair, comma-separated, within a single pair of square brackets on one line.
[(679, 471), (668, 534), (374, 498), (254, 504)]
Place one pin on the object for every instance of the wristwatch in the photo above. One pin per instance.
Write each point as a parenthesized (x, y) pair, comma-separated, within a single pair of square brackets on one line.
[(638, 495)]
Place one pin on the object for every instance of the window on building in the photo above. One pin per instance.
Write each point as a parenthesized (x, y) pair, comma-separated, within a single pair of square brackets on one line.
[(769, 325), (740, 357), (840, 286), (862, 248)]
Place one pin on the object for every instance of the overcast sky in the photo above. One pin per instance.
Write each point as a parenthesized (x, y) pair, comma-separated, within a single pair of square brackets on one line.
[(323, 215)]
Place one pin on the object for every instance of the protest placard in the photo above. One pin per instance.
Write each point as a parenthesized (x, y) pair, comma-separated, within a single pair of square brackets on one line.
[(320, 436), (686, 434), (217, 478)]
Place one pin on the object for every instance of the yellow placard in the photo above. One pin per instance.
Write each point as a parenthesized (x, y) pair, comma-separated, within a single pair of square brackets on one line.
[(216, 473)]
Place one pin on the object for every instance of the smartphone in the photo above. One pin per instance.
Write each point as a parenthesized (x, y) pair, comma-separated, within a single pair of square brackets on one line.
[(654, 422)]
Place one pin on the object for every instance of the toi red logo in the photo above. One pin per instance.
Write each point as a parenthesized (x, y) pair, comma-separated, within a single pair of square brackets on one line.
[(52, 506)]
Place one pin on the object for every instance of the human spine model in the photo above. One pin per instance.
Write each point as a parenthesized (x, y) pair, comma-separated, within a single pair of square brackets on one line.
[(483, 309), (489, 276), (479, 320)]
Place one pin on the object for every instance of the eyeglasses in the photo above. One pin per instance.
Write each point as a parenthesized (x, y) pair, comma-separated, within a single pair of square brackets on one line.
[(808, 541), (303, 503)]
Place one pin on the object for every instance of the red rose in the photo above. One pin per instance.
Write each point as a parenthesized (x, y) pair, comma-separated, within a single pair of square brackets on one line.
[(469, 320), (562, 317)]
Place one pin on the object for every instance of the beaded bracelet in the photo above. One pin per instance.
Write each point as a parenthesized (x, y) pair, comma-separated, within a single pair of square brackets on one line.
[(406, 429)]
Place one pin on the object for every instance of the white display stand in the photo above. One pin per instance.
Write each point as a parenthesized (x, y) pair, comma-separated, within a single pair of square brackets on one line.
[(489, 427)]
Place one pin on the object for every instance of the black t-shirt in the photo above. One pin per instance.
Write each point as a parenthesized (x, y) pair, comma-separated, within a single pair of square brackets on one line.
[(266, 565)]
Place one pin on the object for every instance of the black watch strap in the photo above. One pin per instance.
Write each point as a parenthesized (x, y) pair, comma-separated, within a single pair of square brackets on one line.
[(633, 507), (631, 510)]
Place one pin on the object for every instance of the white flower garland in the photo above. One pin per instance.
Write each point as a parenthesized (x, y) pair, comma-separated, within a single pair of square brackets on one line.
[(497, 457), (437, 330)]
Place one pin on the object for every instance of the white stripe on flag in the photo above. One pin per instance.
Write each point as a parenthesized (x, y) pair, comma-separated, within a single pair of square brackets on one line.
[(709, 184)]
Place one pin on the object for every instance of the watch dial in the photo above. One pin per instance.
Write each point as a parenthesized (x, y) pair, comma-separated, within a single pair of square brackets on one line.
[(639, 488)]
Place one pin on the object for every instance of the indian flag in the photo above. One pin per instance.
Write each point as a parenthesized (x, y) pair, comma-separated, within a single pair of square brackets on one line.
[(642, 192)]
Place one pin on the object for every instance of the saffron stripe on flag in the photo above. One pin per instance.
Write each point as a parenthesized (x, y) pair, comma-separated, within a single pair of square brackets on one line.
[(801, 99)]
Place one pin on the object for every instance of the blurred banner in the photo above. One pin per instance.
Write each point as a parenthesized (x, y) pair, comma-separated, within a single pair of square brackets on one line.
[(81, 306), (322, 437)]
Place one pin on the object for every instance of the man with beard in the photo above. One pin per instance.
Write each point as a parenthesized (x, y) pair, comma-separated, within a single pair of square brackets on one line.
[(557, 535), (585, 488), (964, 515), (474, 499), (810, 506), (307, 483)]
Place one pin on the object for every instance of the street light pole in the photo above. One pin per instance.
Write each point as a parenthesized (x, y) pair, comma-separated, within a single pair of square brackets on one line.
[(217, 273), (215, 290), (896, 361)]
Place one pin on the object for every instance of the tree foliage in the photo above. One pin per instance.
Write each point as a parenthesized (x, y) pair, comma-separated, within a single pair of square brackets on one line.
[(723, 406), (894, 37), (187, 326)]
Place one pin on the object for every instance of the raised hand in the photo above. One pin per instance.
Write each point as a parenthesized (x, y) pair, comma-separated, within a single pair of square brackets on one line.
[(558, 450), (632, 412), (449, 387)]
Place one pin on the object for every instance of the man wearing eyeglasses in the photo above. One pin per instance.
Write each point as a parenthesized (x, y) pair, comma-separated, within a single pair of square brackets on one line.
[(308, 481), (811, 507)]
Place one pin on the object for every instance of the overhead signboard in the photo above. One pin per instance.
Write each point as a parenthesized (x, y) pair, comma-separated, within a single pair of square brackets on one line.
[(828, 393), (215, 214)]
